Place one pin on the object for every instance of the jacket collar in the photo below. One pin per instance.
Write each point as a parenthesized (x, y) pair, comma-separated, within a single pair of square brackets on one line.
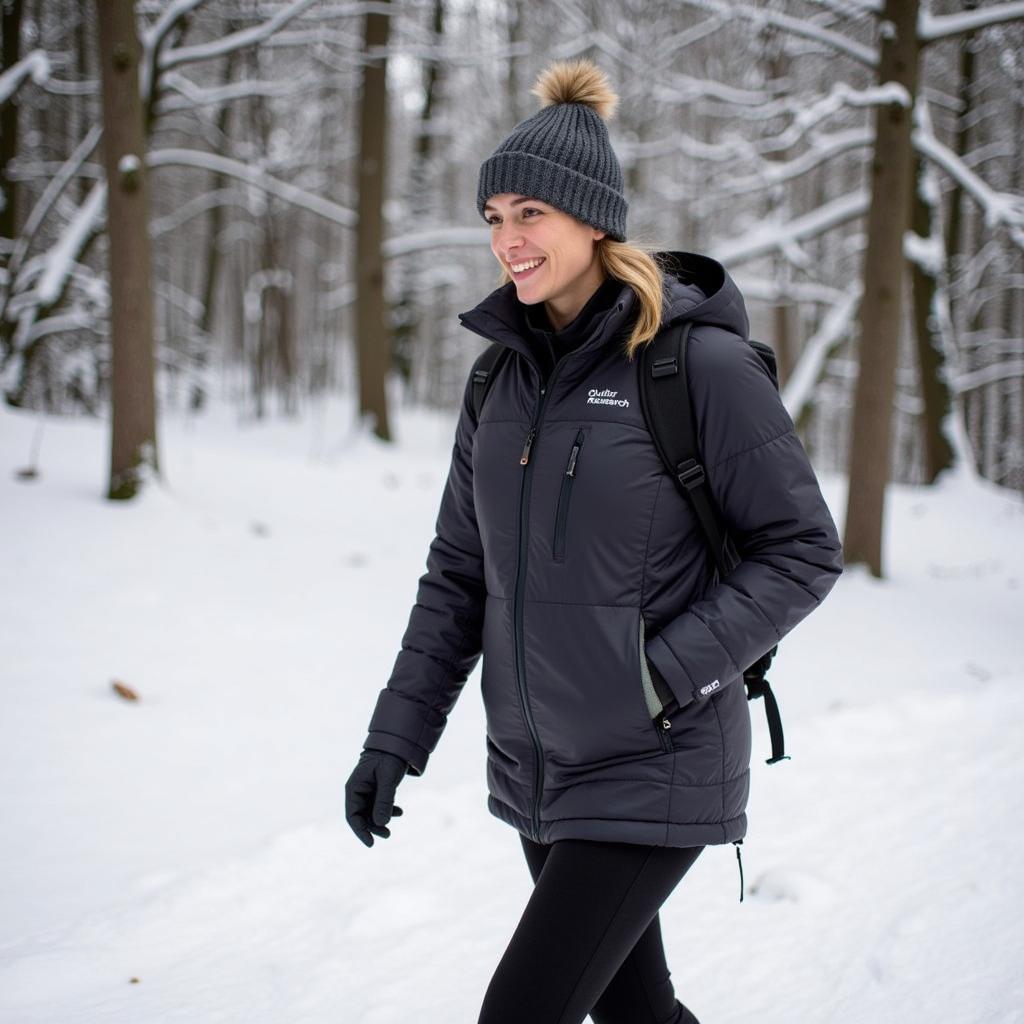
[(697, 287), (501, 317)]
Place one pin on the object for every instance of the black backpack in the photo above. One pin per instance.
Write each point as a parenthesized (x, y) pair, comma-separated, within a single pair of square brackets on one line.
[(665, 401)]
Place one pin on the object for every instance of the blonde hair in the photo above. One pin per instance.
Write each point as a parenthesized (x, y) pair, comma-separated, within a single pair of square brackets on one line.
[(631, 263)]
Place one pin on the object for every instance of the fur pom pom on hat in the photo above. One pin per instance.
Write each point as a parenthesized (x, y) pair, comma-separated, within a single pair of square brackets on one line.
[(562, 153)]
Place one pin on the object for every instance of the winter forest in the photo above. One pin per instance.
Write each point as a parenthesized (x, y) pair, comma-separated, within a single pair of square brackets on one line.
[(235, 237)]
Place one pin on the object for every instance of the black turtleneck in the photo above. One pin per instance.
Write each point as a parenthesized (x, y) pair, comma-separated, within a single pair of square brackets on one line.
[(551, 344)]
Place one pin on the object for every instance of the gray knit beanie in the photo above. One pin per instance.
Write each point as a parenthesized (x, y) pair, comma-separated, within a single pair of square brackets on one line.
[(562, 154)]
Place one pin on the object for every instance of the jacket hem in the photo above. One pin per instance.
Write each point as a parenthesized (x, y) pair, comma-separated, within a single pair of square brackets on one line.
[(623, 830)]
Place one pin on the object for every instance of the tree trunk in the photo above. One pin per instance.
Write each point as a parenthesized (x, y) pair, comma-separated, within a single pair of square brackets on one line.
[(214, 223), (880, 312), (938, 452), (372, 345), (132, 397), (412, 330), (10, 45), (961, 140)]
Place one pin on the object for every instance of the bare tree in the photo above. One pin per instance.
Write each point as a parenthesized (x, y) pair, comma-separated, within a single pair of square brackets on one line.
[(881, 308), (133, 403), (10, 45), (372, 343)]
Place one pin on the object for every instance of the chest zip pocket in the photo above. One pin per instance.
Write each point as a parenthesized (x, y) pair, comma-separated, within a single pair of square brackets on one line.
[(564, 494), (654, 703)]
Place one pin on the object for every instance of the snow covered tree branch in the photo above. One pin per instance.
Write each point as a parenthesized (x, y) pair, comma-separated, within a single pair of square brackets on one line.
[(932, 27)]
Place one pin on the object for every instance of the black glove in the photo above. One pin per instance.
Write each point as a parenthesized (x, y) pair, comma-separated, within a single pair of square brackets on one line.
[(370, 792)]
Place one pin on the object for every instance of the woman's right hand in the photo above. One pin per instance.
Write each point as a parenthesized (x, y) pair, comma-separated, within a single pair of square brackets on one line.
[(370, 793)]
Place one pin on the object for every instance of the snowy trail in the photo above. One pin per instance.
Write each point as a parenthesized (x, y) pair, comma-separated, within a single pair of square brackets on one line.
[(196, 841), (859, 917)]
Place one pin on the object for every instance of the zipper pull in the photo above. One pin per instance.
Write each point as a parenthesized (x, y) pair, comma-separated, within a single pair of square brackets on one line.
[(570, 470), (525, 457), (739, 861), (666, 723)]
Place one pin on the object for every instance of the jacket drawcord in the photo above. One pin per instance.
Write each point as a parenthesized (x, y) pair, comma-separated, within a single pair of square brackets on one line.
[(739, 860)]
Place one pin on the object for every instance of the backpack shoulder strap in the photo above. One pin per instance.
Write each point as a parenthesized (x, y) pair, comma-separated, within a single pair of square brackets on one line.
[(484, 371), (665, 398)]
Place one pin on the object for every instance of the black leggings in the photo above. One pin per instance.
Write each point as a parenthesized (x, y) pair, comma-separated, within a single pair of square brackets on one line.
[(589, 939)]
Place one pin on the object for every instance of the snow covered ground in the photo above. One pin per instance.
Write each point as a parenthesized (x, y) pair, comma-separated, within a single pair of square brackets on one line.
[(185, 858)]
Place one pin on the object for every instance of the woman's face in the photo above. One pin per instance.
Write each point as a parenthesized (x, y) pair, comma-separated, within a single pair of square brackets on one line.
[(525, 230)]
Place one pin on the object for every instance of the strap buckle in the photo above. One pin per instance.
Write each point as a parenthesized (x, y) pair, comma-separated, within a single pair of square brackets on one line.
[(690, 474)]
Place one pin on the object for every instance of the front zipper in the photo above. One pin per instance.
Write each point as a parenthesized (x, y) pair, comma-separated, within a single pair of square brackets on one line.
[(562, 511), (517, 611)]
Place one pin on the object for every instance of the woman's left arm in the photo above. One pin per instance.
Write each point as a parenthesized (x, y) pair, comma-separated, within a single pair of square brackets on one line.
[(762, 482)]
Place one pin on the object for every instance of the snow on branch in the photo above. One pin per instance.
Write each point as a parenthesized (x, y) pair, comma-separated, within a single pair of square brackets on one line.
[(768, 236), (837, 98), (799, 388), (806, 116), (35, 65), (852, 8), (942, 26), (436, 238), (152, 37), (822, 148), (61, 257), (1012, 369), (254, 176), (676, 87), (53, 268), (998, 207), (195, 207), (774, 291), (54, 187), (759, 17), (670, 46), (74, 319), (192, 95), (234, 40)]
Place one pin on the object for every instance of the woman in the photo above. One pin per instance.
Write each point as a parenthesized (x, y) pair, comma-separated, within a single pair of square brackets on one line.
[(567, 557)]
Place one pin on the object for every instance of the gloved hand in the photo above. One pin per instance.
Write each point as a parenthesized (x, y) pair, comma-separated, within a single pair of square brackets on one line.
[(370, 792)]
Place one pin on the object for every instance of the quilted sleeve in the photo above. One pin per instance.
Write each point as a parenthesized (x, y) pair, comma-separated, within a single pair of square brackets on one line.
[(762, 482), (443, 640)]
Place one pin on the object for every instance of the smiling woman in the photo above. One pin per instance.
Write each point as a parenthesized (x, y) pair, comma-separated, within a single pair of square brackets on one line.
[(617, 731)]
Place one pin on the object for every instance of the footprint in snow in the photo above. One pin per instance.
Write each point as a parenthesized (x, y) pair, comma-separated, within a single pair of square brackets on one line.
[(796, 885)]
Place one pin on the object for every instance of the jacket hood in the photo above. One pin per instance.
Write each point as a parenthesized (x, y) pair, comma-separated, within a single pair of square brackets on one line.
[(699, 288), (696, 287)]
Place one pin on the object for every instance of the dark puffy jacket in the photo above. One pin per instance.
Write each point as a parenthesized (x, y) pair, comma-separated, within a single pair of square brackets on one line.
[(564, 553)]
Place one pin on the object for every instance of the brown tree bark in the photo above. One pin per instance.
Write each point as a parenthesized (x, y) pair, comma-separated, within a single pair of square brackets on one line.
[(409, 325), (961, 140), (10, 49), (10, 45), (931, 360), (372, 341), (215, 218), (881, 307), (132, 392)]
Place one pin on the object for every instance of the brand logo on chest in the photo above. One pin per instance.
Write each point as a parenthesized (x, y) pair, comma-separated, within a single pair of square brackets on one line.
[(605, 396)]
